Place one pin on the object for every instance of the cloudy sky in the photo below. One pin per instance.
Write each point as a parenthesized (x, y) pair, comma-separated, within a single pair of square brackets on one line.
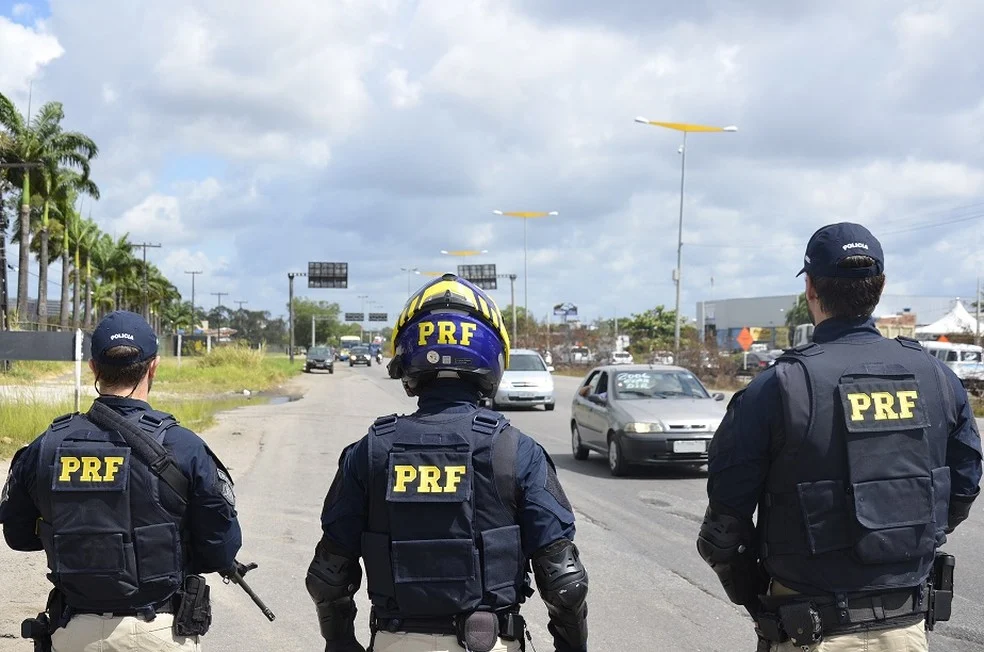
[(249, 141)]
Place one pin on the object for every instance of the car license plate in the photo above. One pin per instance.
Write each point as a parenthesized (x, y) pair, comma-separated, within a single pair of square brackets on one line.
[(697, 446)]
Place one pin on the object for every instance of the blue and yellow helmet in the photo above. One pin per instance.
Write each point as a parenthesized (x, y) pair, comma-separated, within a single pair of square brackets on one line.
[(450, 325)]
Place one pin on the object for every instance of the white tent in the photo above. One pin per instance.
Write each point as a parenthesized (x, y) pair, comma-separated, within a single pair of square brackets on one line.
[(958, 320)]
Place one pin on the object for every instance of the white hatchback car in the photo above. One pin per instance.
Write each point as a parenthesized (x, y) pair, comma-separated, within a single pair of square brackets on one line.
[(620, 357), (527, 381)]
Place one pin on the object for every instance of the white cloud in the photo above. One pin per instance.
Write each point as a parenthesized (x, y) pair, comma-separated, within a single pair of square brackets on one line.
[(385, 131), (403, 93), (24, 52)]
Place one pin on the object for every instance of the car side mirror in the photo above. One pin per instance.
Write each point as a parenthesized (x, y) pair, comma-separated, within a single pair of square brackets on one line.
[(718, 396), (550, 370)]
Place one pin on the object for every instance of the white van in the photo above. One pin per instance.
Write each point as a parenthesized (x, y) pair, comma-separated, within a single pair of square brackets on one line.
[(966, 360)]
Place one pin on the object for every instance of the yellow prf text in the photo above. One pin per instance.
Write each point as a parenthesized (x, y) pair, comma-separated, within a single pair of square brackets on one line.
[(89, 469), (428, 478), (883, 405)]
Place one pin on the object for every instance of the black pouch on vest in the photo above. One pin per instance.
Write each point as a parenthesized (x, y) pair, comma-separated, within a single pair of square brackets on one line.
[(479, 631), (194, 614), (801, 622), (942, 597)]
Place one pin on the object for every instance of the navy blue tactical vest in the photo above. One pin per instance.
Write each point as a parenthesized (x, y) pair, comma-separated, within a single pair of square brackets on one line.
[(858, 494), (442, 536), (113, 541)]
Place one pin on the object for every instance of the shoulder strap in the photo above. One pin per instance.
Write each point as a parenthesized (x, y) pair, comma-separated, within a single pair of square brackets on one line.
[(504, 452), (148, 449), (909, 343), (384, 425)]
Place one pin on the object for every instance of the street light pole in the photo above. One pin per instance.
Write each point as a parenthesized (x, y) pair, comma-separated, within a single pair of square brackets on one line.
[(362, 323), (679, 267), (525, 215), (685, 128), (409, 271), (290, 313)]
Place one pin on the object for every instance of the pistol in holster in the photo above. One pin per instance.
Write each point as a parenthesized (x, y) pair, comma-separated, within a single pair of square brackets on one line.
[(940, 589), (193, 615), (41, 628)]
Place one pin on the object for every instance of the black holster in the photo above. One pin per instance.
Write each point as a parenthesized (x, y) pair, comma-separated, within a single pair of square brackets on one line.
[(941, 590), (193, 615), (41, 628)]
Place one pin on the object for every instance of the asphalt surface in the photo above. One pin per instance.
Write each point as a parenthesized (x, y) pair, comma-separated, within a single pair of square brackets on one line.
[(649, 588)]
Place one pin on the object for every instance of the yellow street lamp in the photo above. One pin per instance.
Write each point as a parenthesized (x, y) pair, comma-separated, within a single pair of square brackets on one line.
[(685, 128), (526, 216), (464, 252)]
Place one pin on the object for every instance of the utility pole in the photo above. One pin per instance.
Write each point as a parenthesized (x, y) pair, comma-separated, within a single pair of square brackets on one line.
[(977, 336), (146, 293), (219, 305), (362, 327), (193, 275), (240, 304), (290, 312)]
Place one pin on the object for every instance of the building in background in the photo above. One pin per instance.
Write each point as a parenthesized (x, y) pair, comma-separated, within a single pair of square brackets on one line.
[(765, 317)]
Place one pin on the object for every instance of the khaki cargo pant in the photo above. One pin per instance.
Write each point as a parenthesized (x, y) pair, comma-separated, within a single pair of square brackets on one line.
[(903, 639), (95, 633), (401, 642)]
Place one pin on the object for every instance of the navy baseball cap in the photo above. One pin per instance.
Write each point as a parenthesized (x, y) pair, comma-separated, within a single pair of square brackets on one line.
[(123, 328), (835, 242)]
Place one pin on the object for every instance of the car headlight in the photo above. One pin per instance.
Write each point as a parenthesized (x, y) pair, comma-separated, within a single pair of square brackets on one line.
[(644, 427)]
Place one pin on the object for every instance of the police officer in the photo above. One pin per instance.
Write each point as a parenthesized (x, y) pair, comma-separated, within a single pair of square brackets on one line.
[(449, 505), (122, 538), (861, 454)]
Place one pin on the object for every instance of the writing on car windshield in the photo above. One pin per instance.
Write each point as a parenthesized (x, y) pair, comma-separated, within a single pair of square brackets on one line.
[(631, 385)]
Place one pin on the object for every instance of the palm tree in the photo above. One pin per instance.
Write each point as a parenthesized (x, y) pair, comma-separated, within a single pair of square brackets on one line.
[(79, 235), (59, 183), (40, 140)]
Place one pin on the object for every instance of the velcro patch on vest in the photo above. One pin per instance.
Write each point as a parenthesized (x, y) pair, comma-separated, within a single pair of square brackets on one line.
[(92, 468), (883, 405), (429, 477)]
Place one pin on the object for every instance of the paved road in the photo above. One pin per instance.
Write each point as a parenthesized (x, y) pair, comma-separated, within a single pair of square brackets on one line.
[(649, 589)]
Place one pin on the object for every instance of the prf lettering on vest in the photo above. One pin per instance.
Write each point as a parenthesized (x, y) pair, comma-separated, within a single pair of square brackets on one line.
[(428, 478), (90, 469), (883, 405), (447, 333)]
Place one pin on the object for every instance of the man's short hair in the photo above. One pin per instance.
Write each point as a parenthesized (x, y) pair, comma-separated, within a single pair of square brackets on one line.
[(130, 375), (850, 298)]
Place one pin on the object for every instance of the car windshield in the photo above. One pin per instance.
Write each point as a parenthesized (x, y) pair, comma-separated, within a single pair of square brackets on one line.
[(319, 352), (359, 350), (526, 362), (631, 385)]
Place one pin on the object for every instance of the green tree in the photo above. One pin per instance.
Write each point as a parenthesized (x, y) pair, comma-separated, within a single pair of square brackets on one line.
[(526, 324), (60, 185), (39, 140), (799, 313), (328, 322)]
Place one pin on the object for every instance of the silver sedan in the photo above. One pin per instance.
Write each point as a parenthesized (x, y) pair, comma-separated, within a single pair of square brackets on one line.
[(644, 414)]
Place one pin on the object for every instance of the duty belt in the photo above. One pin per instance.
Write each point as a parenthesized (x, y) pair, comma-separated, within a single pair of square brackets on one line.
[(165, 607), (843, 614), (444, 626)]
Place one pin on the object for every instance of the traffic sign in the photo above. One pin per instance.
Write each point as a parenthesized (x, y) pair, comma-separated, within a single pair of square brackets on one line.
[(745, 339), (355, 316), (481, 275), (327, 275), (378, 316)]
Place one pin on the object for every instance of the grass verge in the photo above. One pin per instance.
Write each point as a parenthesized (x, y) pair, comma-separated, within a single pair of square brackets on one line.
[(194, 392), (20, 371)]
